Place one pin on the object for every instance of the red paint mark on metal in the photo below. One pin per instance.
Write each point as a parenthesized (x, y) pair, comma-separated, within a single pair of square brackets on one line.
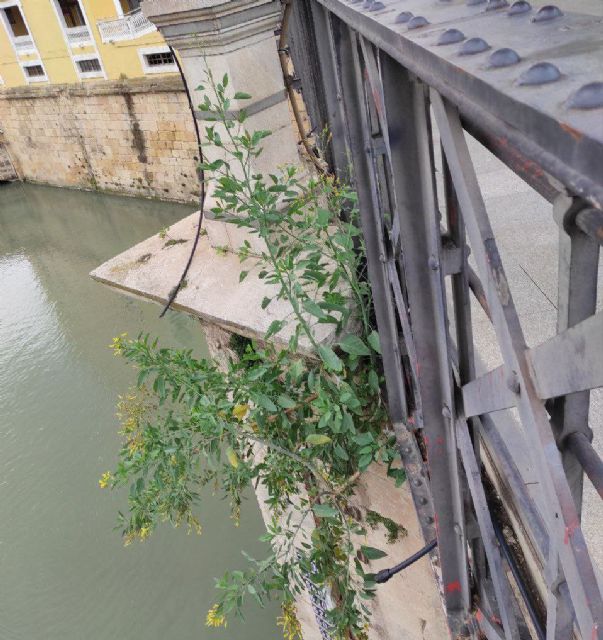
[(411, 419), (576, 135), (452, 587), (479, 615), (595, 633), (569, 531), (496, 619)]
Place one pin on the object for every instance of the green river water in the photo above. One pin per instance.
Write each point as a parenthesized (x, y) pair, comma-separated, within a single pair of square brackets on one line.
[(64, 573)]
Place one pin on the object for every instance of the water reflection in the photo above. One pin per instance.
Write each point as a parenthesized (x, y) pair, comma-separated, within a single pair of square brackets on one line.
[(65, 574)]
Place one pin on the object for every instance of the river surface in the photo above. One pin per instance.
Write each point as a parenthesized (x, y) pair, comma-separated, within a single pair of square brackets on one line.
[(64, 573)]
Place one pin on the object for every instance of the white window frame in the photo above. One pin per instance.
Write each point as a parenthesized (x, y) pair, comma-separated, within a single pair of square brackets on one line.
[(145, 51), (118, 9), (89, 74), (7, 4), (34, 63), (64, 27)]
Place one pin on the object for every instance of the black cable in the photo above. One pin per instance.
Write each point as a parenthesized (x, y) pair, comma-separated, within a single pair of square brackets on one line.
[(201, 177), (385, 574), (527, 599)]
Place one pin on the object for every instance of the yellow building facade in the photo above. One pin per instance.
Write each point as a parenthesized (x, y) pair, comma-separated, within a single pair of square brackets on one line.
[(72, 41)]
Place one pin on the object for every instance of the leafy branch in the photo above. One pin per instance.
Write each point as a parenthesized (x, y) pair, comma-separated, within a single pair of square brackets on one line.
[(304, 428)]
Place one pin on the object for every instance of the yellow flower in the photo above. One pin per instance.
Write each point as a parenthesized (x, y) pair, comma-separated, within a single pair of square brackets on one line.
[(117, 344), (240, 411), (105, 479), (214, 618), (232, 457), (144, 532), (289, 622)]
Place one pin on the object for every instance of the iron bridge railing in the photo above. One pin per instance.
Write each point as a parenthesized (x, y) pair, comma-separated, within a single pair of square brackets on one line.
[(384, 77)]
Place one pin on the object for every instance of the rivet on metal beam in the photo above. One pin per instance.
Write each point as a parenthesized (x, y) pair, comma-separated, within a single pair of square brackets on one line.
[(417, 482), (493, 5), (540, 73), (417, 22), (513, 382), (403, 17), (519, 8), (503, 58), (548, 12), (473, 46), (590, 96), (377, 6), (450, 36)]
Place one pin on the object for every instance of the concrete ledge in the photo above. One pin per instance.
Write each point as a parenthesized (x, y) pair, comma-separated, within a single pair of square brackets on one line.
[(213, 292)]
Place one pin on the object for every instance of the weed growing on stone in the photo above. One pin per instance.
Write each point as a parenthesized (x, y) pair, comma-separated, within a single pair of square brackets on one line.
[(296, 415)]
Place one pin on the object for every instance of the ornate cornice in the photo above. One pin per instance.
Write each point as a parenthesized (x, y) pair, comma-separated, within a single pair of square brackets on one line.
[(212, 26)]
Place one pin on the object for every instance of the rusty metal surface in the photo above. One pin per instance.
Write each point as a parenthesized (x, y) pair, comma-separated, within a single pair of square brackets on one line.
[(525, 81), (537, 120)]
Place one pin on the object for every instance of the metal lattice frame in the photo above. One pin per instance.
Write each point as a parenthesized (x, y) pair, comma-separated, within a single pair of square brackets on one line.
[(380, 80)]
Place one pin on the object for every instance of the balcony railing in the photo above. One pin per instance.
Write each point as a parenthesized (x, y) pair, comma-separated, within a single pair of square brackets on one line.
[(24, 44), (77, 36), (131, 25)]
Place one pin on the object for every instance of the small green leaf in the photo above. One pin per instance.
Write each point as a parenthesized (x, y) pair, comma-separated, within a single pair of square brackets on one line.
[(322, 217), (312, 308), (264, 401), (364, 461), (354, 346), (265, 302), (286, 402), (371, 553), (243, 275), (316, 439), (275, 327), (330, 358), (373, 380), (325, 511), (340, 452), (373, 340), (241, 95)]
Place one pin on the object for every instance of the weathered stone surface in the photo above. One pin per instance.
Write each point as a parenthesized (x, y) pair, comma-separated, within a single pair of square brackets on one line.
[(7, 171), (132, 137), (212, 292)]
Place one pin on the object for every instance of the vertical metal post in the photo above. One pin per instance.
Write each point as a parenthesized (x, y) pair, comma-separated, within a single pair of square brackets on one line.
[(577, 300), (330, 89), (350, 81), (412, 173), (461, 299)]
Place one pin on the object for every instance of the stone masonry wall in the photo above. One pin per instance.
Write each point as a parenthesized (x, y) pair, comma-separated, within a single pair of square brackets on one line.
[(7, 171), (134, 137)]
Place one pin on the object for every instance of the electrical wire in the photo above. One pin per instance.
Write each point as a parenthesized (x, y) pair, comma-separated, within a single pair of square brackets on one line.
[(201, 178), (385, 574)]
